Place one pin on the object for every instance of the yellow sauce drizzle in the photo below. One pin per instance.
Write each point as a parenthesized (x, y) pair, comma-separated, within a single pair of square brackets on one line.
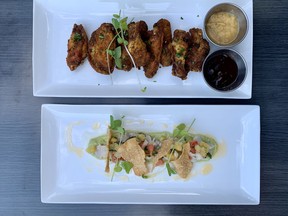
[(221, 151), (70, 145), (207, 168), (165, 126), (96, 126)]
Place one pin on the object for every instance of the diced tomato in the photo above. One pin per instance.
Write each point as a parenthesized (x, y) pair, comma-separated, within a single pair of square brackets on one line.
[(159, 162), (150, 148), (192, 146)]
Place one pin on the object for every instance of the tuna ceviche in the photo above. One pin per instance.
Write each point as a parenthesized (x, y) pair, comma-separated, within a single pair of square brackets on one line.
[(141, 151)]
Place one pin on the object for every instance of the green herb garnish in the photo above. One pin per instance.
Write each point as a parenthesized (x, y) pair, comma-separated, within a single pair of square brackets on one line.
[(180, 53), (127, 166), (169, 169), (180, 131), (121, 27), (209, 155), (101, 36), (116, 54), (116, 125), (144, 89), (77, 37), (181, 18), (145, 176), (117, 167)]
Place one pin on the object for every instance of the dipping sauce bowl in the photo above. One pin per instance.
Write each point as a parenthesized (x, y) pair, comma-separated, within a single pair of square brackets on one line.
[(224, 70), (225, 25)]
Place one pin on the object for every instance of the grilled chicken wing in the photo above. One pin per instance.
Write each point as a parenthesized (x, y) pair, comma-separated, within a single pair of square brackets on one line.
[(136, 45), (98, 44), (155, 44), (166, 55), (198, 51), (77, 47), (180, 47)]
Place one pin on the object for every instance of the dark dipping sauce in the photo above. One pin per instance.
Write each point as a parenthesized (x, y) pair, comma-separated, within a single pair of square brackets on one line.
[(221, 71)]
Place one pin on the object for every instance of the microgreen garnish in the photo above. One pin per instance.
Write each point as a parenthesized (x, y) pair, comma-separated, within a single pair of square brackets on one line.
[(116, 54), (77, 37), (121, 27), (116, 125), (145, 176), (169, 169), (117, 167), (209, 155), (101, 36), (181, 18), (144, 89), (180, 132), (127, 166)]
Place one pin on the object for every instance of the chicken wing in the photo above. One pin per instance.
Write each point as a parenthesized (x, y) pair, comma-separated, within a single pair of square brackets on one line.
[(198, 51), (136, 45), (166, 55), (155, 44), (98, 44), (77, 47), (180, 47)]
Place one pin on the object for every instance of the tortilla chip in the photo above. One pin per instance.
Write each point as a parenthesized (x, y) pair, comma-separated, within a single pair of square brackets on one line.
[(164, 150), (133, 153), (109, 134), (183, 164)]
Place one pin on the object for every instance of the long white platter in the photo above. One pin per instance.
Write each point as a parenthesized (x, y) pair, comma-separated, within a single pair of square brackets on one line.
[(70, 175), (52, 25)]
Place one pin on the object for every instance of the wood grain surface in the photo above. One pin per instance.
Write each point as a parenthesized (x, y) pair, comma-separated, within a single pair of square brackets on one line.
[(20, 120)]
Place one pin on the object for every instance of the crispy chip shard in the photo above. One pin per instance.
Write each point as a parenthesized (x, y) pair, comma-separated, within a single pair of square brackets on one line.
[(132, 152), (164, 149), (183, 164), (109, 134)]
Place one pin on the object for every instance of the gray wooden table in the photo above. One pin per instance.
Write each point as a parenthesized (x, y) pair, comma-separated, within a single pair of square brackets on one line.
[(20, 119)]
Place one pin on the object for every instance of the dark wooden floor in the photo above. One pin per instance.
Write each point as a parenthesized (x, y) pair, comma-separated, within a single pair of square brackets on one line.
[(20, 119)]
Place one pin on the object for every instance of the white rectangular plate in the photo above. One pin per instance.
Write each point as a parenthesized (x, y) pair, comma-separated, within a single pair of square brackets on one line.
[(70, 175), (52, 25)]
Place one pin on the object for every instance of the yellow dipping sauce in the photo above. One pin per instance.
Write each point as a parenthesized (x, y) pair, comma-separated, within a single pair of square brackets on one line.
[(222, 27)]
